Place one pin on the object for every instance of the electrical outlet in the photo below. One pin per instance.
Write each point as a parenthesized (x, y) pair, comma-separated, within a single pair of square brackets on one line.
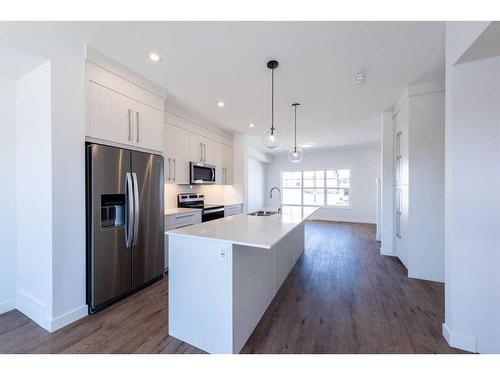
[(223, 254)]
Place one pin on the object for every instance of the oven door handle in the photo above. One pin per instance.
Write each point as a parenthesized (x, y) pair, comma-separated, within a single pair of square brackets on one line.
[(213, 211)]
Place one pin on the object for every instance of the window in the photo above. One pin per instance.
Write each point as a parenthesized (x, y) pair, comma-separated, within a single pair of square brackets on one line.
[(322, 188)]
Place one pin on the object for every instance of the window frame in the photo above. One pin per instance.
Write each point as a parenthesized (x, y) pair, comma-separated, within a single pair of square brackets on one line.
[(325, 189)]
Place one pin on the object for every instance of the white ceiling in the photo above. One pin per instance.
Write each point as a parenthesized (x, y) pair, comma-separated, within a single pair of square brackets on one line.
[(204, 62)]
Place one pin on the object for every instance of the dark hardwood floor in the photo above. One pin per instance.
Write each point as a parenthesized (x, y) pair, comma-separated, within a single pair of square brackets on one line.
[(341, 297)]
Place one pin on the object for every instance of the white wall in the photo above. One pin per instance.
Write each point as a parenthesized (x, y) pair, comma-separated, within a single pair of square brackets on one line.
[(256, 184), (387, 185), (67, 64), (7, 196), (34, 195), (364, 163), (472, 200)]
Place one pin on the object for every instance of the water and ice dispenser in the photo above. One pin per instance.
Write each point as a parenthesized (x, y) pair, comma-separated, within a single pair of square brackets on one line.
[(112, 210)]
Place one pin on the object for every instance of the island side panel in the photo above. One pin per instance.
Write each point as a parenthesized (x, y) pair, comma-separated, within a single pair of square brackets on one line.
[(287, 251), (200, 294), (253, 290)]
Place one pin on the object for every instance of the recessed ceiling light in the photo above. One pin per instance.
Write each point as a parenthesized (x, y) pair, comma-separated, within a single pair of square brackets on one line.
[(220, 104), (153, 56), (306, 145), (359, 78), (251, 125)]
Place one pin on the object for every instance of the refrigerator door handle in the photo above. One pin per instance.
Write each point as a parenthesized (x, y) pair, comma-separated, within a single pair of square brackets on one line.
[(136, 209), (130, 213)]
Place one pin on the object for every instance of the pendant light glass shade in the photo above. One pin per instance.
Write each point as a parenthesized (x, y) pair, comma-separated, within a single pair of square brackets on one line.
[(295, 154), (271, 138)]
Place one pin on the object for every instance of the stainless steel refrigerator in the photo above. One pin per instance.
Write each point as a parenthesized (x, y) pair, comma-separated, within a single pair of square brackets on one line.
[(125, 231)]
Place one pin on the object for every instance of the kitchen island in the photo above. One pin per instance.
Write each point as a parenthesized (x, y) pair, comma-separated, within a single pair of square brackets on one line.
[(223, 274)]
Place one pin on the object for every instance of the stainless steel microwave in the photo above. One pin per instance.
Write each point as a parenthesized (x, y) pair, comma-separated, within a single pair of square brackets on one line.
[(201, 173)]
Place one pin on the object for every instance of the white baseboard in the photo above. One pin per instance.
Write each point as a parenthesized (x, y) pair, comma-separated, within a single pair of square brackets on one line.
[(7, 305), (459, 341), (36, 310), (33, 308), (341, 219), (69, 317), (387, 252)]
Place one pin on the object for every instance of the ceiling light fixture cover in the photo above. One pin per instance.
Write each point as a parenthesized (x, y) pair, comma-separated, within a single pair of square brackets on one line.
[(155, 57), (220, 104), (359, 78), (271, 138), (295, 153)]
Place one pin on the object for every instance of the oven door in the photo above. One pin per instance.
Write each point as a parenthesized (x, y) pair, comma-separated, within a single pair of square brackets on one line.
[(212, 214), (202, 173)]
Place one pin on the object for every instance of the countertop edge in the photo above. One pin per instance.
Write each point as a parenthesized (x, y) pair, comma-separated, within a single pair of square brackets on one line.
[(241, 243)]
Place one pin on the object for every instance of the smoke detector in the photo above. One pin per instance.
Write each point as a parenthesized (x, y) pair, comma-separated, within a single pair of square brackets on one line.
[(359, 78)]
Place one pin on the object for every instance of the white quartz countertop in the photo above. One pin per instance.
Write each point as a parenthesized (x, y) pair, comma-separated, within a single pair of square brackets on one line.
[(243, 229), (176, 210)]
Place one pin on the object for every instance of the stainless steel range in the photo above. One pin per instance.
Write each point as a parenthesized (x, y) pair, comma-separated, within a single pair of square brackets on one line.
[(208, 211)]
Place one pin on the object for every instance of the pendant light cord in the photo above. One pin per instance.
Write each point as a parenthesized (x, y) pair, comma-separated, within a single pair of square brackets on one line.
[(272, 101), (295, 148)]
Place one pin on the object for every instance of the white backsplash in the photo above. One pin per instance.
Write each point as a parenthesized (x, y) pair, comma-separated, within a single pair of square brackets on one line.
[(217, 194)]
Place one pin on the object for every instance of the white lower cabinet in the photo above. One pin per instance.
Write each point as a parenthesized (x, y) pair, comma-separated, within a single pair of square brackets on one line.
[(232, 210), (179, 220)]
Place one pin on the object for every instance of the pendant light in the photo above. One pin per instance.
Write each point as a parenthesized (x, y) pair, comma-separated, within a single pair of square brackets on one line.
[(295, 154), (271, 138)]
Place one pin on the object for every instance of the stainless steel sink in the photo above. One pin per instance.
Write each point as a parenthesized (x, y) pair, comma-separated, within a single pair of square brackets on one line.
[(263, 213)]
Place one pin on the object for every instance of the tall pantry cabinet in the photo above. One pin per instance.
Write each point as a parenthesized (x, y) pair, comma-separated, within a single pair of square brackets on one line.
[(419, 180)]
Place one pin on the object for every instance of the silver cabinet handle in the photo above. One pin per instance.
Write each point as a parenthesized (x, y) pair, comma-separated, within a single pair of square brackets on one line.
[(129, 125), (204, 152), (183, 216), (174, 170), (201, 151), (169, 169), (138, 129), (136, 209), (130, 210)]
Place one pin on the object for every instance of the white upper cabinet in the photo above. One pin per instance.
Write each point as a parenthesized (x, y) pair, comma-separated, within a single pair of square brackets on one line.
[(148, 127), (123, 113), (110, 114), (177, 156), (227, 164), (202, 149)]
